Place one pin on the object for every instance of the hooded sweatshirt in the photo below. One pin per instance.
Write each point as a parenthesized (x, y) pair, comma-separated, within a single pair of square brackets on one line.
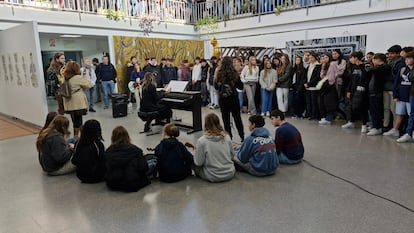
[(214, 154), (126, 168), (259, 150), (173, 160), (55, 152)]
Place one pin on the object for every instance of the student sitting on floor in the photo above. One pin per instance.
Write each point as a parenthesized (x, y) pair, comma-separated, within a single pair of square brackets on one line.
[(173, 159), (126, 166), (89, 153), (289, 147), (214, 152), (54, 151), (49, 118), (257, 154)]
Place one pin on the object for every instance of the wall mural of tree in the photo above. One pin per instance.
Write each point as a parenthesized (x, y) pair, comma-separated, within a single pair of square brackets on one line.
[(126, 46)]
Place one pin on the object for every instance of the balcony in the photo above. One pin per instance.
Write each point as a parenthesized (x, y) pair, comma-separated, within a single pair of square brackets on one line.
[(174, 11)]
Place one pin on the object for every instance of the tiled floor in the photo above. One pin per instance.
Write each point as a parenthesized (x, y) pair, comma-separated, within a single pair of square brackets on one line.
[(298, 199)]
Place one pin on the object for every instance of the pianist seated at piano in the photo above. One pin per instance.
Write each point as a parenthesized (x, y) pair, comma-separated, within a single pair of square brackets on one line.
[(150, 100)]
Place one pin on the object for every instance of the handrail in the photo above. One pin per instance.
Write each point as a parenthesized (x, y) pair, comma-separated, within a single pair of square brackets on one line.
[(180, 11)]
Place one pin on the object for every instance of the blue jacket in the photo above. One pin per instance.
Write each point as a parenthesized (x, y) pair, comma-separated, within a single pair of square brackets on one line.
[(259, 150), (402, 86)]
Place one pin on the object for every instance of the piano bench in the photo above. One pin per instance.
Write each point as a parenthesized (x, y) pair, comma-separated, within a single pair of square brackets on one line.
[(148, 117)]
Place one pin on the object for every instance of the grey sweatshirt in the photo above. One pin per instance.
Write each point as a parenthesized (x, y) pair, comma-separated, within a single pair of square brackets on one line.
[(214, 154)]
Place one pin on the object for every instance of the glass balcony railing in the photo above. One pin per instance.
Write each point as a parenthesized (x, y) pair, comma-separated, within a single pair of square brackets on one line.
[(181, 11)]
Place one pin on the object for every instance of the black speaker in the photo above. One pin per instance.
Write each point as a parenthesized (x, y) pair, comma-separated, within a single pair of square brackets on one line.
[(119, 105)]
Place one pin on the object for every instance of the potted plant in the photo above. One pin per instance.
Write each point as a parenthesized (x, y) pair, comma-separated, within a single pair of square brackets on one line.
[(208, 24)]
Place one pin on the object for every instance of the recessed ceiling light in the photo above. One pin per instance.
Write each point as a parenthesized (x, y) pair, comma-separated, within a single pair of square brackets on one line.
[(71, 36)]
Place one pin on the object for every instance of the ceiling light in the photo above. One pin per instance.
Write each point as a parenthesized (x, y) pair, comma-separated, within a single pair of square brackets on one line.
[(71, 36)]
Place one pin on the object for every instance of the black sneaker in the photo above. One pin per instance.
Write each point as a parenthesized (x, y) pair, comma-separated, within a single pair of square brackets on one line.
[(92, 110)]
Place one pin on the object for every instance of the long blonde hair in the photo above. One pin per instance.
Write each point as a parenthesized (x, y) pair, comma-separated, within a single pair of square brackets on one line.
[(212, 126), (250, 64), (59, 124)]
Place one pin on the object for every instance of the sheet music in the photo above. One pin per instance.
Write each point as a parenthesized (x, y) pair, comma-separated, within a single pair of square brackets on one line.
[(177, 86)]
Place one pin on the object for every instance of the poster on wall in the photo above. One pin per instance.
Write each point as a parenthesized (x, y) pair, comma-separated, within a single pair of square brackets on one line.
[(347, 44), (179, 50), (11, 72)]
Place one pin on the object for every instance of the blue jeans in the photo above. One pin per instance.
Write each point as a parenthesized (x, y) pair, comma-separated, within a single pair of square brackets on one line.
[(152, 163), (241, 99), (285, 160), (90, 94), (410, 126), (267, 97), (108, 89)]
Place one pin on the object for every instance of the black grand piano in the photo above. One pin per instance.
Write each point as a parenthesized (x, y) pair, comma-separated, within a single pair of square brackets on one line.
[(187, 101)]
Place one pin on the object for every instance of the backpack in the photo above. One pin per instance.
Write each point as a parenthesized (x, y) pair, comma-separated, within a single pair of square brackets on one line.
[(65, 89), (226, 90)]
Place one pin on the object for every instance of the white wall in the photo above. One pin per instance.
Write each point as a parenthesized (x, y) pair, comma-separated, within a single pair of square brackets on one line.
[(22, 95), (90, 47)]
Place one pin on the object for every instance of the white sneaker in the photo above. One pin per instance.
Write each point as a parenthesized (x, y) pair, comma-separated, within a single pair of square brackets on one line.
[(364, 129), (348, 125), (374, 132), (268, 114), (405, 138), (392, 132), (324, 122), (263, 114)]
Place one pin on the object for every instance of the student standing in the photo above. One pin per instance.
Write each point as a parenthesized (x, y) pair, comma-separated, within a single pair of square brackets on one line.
[(250, 77), (378, 75), (357, 92), (268, 76), (312, 78), (408, 136), (401, 95), (283, 83), (55, 73), (225, 82), (299, 77), (328, 96)]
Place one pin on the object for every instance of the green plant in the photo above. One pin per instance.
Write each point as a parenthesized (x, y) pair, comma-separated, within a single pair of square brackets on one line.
[(287, 4), (209, 24), (112, 14)]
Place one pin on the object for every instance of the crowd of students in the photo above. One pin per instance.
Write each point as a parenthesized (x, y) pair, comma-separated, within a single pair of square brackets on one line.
[(374, 88), (124, 167)]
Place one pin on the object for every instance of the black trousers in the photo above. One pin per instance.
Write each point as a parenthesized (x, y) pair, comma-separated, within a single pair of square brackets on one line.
[(312, 106), (231, 105), (298, 103), (376, 110)]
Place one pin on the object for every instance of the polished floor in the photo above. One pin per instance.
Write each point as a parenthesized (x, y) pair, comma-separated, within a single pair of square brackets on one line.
[(298, 199)]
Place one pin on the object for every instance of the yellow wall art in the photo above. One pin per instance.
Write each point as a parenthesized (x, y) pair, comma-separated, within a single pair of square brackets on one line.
[(127, 46)]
